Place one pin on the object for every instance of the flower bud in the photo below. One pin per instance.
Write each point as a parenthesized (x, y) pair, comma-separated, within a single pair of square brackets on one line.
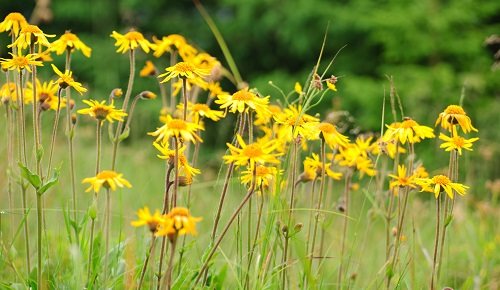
[(92, 211), (147, 95)]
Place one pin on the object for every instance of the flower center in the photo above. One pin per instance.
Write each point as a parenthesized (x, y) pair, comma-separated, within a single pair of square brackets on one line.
[(68, 36), (252, 151), (106, 174), (184, 67), (179, 212), (326, 128), (101, 113), (21, 61), (454, 109), (262, 170), (31, 29), (200, 107), (15, 17), (408, 123), (441, 180), (459, 141), (134, 35), (177, 124), (243, 96)]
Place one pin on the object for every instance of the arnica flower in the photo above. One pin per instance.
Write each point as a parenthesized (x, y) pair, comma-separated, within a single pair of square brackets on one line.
[(66, 79), (456, 143), (69, 41), (353, 157), (169, 155), (401, 180), (130, 41), (259, 152), (387, 147), (107, 179), (20, 62), (13, 22), (264, 117), (297, 122), (199, 111), (454, 115), (440, 183), (332, 137), (167, 43), (330, 83), (46, 94), (8, 92), (264, 176), (242, 101), (100, 111), (408, 131), (146, 219), (185, 70), (214, 89), (313, 168), (148, 70), (178, 222), (31, 33), (179, 129)]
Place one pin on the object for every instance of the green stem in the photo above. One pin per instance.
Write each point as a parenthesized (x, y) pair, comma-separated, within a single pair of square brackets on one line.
[(344, 231), (170, 268), (39, 239), (54, 129), (225, 230), (436, 242), (107, 221), (285, 259), (145, 266), (119, 128)]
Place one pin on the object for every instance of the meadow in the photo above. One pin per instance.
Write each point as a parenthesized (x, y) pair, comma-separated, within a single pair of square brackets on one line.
[(290, 195)]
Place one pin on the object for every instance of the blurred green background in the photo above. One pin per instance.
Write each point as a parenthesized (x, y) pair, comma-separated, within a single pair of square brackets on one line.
[(435, 50)]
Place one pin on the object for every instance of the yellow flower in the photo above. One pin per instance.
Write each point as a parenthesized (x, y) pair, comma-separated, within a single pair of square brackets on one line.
[(199, 111), (66, 79), (178, 222), (440, 183), (31, 33), (264, 117), (177, 128), (408, 130), (46, 94), (331, 86), (8, 92), (167, 43), (298, 88), (184, 70), (101, 111), (13, 22), (353, 157), (146, 219), (297, 122), (401, 180), (242, 101), (264, 176), (313, 167), (205, 61), (454, 115), (148, 70), (130, 41), (331, 136), (20, 62), (387, 147), (69, 41), (456, 143), (215, 89), (169, 154), (420, 172), (107, 179), (259, 152)]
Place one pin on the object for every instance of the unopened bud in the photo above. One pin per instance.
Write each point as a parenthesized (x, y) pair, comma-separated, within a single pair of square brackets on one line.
[(116, 93), (185, 180), (71, 104), (316, 82), (45, 106), (147, 95), (298, 227), (284, 230), (73, 119), (394, 231), (92, 212)]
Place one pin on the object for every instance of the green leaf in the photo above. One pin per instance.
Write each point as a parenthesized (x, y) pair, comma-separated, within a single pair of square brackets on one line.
[(32, 178), (51, 182), (124, 135)]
